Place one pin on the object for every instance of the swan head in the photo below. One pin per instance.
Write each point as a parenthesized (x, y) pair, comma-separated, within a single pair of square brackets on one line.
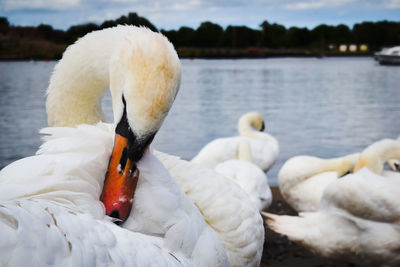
[(394, 164), (250, 121), (374, 156), (144, 80)]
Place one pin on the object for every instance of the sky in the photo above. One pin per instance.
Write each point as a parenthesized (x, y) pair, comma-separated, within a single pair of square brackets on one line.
[(172, 14)]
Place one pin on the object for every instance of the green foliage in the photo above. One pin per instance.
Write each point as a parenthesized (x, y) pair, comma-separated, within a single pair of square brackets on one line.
[(209, 38), (78, 31), (208, 34), (240, 37), (378, 34), (4, 25)]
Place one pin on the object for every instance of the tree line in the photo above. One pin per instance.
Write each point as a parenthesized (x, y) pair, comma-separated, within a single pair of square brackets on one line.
[(211, 35)]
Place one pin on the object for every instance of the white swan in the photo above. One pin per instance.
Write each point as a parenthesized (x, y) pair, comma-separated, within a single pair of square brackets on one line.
[(394, 164), (302, 179), (50, 213), (63, 182), (264, 147), (248, 175), (225, 207), (358, 218)]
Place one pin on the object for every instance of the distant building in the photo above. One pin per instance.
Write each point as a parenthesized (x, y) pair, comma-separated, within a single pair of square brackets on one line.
[(343, 48), (353, 48), (363, 48), (332, 47)]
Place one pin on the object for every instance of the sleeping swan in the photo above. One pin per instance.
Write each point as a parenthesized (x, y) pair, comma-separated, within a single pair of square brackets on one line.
[(358, 217), (50, 213), (264, 147), (303, 179), (248, 175)]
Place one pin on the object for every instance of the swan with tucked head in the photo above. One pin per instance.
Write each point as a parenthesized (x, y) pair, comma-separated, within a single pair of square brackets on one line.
[(50, 212), (63, 183), (143, 75), (303, 179), (264, 147), (358, 217), (248, 175)]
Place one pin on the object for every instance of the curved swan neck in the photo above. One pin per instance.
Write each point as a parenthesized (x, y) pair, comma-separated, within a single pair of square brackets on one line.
[(135, 63), (251, 124), (80, 80), (341, 165), (375, 156), (243, 151)]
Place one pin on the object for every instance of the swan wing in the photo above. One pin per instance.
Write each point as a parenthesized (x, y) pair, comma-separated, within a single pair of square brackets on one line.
[(225, 206), (43, 233), (364, 195)]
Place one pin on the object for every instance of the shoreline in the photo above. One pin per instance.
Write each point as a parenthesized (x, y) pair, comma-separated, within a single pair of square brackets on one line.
[(207, 57)]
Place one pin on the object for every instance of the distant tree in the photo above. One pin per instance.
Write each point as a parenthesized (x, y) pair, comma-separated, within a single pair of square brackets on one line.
[(186, 36), (272, 35), (321, 35), (131, 19), (209, 34), (171, 35), (4, 21), (377, 34), (108, 24), (240, 37), (134, 19), (4, 25), (342, 34), (298, 37), (74, 32)]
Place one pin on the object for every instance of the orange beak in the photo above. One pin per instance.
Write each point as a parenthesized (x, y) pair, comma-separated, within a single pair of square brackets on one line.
[(121, 180)]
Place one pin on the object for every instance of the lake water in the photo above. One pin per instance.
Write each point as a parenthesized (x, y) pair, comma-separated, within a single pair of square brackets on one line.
[(323, 107)]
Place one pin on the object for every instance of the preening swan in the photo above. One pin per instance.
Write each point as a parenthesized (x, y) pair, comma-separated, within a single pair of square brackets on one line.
[(264, 147), (248, 175), (50, 213), (358, 217), (303, 179)]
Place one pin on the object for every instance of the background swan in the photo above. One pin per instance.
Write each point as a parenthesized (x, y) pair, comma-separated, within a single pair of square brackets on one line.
[(248, 175), (302, 179), (264, 147), (50, 211), (358, 215), (225, 206)]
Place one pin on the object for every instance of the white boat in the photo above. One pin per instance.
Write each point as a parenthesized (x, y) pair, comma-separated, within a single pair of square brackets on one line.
[(389, 56)]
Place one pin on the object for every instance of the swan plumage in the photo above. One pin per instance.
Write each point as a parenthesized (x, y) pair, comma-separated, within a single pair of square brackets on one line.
[(358, 215), (303, 179), (50, 212), (49, 202), (264, 147), (248, 176), (224, 205)]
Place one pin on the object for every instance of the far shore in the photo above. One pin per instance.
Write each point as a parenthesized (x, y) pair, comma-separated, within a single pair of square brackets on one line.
[(54, 52)]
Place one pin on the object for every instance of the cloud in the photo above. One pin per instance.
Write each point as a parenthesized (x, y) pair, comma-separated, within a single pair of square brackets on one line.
[(9, 5), (317, 4), (392, 4)]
